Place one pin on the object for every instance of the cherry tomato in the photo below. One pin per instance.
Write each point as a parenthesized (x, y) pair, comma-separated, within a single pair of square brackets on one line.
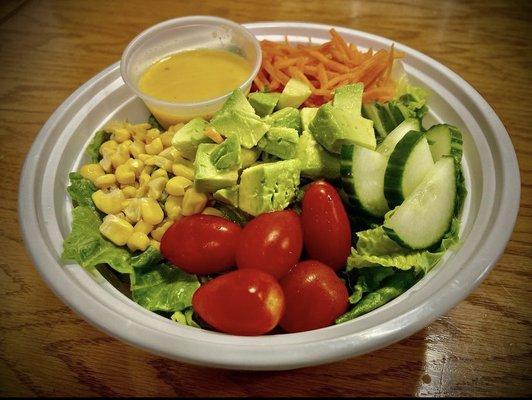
[(201, 244), (243, 302), (314, 297), (271, 242), (326, 229)]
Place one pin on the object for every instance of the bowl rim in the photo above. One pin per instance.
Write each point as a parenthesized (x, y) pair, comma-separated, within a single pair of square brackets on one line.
[(311, 352), (191, 20)]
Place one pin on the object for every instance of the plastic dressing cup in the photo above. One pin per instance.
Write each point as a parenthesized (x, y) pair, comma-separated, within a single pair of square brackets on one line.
[(181, 34)]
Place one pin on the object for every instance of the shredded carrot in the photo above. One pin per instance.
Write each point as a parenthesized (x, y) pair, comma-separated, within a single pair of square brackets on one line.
[(327, 66), (213, 134)]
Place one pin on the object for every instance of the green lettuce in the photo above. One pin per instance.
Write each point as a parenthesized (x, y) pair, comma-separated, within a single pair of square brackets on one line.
[(366, 280), (80, 191), (412, 97), (93, 149), (185, 317), (154, 123)]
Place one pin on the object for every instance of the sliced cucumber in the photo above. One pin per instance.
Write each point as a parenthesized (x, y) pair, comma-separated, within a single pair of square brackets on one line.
[(409, 162), (362, 171), (425, 216), (445, 140), (390, 141)]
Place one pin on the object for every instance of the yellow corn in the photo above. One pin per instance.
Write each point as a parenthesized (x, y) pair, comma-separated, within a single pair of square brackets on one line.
[(105, 181), (125, 175), (143, 157), (131, 208), (183, 170), (148, 169), (108, 148), (160, 173), (137, 148), (154, 147), (167, 136), (143, 227), (212, 211), (91, 171), (172, 206), (170, 153), (177, 185), (155, 244), (158, 232), (109, 203), (136, 165), (138, 241), (144, 179), (180, 160), (151, 135), (106, 164), (121, 135), (139, 131), (119, 158), (116, 229), (129, 191), (193, 202), (160, 162), (142, 191), (156, 187), (151, 211)]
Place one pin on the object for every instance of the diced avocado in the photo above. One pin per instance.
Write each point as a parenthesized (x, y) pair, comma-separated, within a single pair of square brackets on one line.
[(307, 115), (248, 127), (227, 154), (287, 118), (207, 178), (263, 103), (267, 157), (268, 187), (249, 156), (237, 101), (227, 195), (372, 111), (349, 97), (333, 126), (188, 138), (316, 162), (280, 142), (294, 94)]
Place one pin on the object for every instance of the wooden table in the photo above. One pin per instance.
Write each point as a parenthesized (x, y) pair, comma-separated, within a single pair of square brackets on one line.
[(481, 347)]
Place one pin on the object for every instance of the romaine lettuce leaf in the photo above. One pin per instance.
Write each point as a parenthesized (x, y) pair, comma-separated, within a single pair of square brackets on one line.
[(93, 149), (80, 191)]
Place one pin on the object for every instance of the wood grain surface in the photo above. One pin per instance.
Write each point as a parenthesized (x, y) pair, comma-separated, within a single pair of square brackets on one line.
[(482, 347)]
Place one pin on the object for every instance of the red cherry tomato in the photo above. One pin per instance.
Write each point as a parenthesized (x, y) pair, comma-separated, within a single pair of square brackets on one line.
[(201, 244), (314, 297), (326, 229), (243, 302), (272, 242)]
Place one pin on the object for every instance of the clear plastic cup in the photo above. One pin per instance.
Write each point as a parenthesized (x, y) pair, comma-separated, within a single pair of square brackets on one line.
[(180, 34)]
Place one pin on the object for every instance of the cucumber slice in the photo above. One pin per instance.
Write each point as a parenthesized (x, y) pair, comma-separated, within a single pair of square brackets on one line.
[(390, 141), (445, 140), (362, 171), (425, 216), (409, 162)]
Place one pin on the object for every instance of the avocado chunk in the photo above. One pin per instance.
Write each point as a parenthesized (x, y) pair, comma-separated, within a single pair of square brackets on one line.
[(249, 156), (227, 195), (190, 136), (268, 187), (227, 154), (280, 142), (237, 101), (333, 126), (263, 103), (316, 162), (248, 127), (288, 117), (349, 97), (294, 94), (208, 178), (307, 115)]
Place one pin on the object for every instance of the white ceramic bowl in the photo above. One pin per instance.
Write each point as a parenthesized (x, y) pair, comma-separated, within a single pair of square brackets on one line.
[(492, 178)]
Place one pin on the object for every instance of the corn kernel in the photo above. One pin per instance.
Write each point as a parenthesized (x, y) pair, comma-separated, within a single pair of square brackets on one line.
[(148, 169), (143, 227), (108, 148), (158, 232), (151, 211), (106, 164), (180, 160), (212, 211), (193, 202), (170, 153), (183, 170), (119, 158), (167, 137), (129, 191), (177, 185), (137, 148), (155, 147), (142, 191), (172, 206), (125, 175), (105, 181), (160, 162), (115, 229), (156, 187), (109, 203), (91, 171), (151, 135), (138, 241), (136, 165), (139, 131), (156, 244), (131, 208), (160, 173), (121, 135), (144, 179), (143, 157)]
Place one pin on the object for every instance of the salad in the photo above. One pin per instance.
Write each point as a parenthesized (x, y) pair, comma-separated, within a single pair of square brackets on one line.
[(300, 205)]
